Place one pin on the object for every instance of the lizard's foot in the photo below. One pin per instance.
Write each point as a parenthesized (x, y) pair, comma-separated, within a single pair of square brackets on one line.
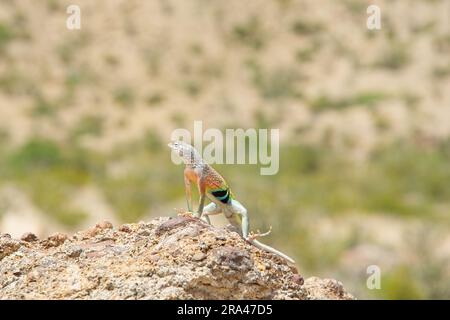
[(197, 214), (206, 219), (258, 234)]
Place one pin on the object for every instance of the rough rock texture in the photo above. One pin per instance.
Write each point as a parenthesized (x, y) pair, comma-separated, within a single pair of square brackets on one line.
[(167, 258)]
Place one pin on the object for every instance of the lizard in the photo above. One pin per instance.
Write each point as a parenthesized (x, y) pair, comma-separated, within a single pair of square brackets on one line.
[(213, 186)]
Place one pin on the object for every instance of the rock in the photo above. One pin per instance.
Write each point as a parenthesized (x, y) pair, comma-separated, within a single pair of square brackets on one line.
[(99, 228), (125, 228), (8, 245), (233, 258), (74, 252), (298, 279), (178, 258), (174, 223), (199, 256), (104, 225), (29, 237), (325, 289), (55, 240)]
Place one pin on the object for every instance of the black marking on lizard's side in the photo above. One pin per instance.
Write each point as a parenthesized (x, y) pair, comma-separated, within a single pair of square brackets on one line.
[(222, 195)]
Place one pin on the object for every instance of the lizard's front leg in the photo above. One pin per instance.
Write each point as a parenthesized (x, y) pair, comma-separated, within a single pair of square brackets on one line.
[(202, 191), (187, 188)]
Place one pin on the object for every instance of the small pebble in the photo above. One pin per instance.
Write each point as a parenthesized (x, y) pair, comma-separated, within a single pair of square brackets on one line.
[(144, 233), (29, 237), (55, 240), (298, 279), (198, 256), (104, 225), (74, 252), (125, 228)]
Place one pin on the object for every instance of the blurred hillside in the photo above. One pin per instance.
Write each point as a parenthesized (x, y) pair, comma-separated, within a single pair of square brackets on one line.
[(364, 118)]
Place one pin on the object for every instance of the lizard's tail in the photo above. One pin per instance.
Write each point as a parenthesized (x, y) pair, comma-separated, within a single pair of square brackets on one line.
[(267, 248)]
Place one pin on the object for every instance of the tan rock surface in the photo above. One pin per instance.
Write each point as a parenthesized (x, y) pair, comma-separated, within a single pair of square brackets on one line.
[(166, 258)]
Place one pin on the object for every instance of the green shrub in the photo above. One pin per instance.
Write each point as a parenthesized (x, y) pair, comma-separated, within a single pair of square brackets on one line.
[(306, 28), (365, 98), (394, 58), (277, 84), (125, 96), (88, 125), (6, 35), (250, 34)]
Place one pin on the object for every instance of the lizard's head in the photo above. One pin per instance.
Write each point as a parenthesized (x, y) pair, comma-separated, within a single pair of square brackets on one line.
[(185, 151)]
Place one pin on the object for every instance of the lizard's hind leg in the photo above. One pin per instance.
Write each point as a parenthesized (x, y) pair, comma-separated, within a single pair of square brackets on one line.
[(237, 209), (210, 210)]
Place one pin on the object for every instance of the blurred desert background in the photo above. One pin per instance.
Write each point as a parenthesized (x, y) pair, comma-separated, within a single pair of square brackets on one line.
[(364, 118)]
